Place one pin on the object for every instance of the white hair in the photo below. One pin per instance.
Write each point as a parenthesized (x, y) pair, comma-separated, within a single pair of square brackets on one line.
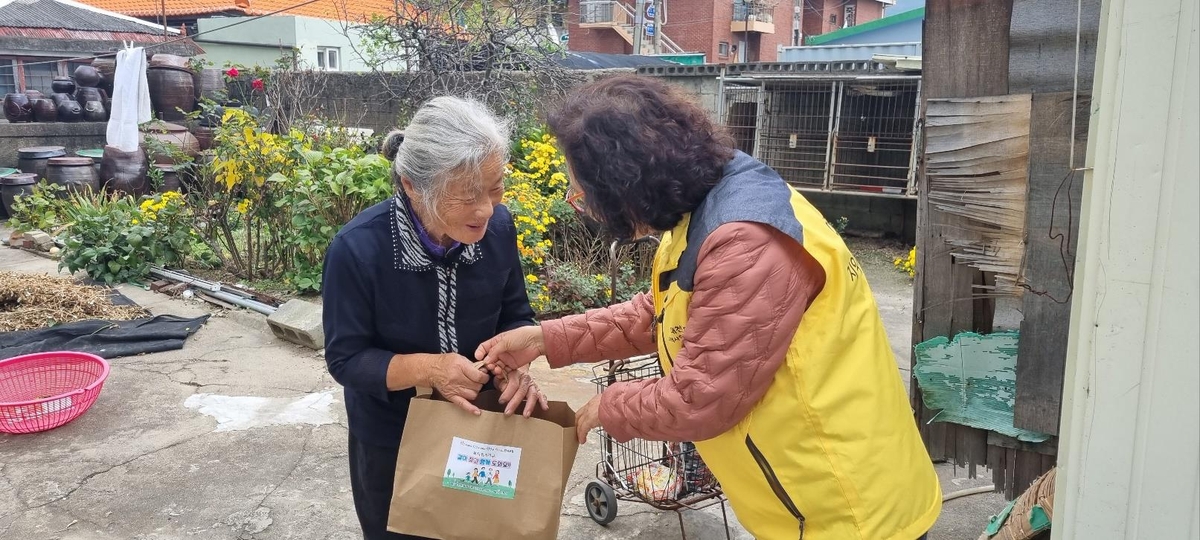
[(447, 135)]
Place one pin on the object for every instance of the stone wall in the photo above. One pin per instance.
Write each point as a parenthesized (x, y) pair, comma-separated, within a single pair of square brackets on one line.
[(368, 100), (74, 136)]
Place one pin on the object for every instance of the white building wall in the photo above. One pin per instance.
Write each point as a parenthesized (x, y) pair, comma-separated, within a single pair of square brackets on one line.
[(1130, 450)]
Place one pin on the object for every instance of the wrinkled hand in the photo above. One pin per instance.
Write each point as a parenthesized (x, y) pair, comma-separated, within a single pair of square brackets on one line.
[(587, 419), (511, 350), (459, 380), (518, 386)]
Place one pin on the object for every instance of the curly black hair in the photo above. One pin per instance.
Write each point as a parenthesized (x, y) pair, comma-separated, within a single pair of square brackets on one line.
[(643, 151)]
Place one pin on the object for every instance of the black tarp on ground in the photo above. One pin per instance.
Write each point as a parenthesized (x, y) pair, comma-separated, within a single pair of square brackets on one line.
[(106, 339)]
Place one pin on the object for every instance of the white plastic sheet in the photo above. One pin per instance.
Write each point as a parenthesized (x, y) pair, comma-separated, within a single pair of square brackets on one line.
[(130, 100)]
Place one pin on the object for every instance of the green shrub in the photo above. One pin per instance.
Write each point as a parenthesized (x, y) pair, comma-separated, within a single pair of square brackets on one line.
[(116, 240), (324, 194), (42, 210)]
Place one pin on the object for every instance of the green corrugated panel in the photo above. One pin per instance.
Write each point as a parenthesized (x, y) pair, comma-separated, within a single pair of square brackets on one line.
[(695, 59), (972, 380)]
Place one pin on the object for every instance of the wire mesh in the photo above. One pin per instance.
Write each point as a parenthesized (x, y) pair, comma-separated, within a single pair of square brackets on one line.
[(829, 135), (795, 140), (873, 141), (665, 475)]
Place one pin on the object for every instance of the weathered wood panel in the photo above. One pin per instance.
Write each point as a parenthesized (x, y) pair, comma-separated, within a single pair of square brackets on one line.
[(965, 55), (1052, 225), (976, 159)]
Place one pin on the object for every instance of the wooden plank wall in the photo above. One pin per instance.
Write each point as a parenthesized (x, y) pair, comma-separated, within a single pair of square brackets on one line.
[(1052, 225), (966, 54)]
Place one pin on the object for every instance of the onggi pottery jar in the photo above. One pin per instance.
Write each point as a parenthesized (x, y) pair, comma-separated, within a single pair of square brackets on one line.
[(87, 76), (84, 94), (18, 108), (33, 159), (172, 91), (210, 84), (93, 111), (69, 110), (63, 85), (44, 110), (171, 180), (107, 67), (5, 171), (204, 135), (171, 134), (15, 185), (73, 173), (94, 154), (124, 172)]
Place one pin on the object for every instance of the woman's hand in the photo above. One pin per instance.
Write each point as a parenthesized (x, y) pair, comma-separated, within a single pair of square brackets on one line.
[(518, 386), (458, 380), (511, 350), (587, 419)]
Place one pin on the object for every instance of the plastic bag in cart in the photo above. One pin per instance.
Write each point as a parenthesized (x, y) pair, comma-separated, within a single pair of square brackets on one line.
[(656, 482)]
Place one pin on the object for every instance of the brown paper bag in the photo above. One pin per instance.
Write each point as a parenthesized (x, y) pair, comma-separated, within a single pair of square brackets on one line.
[(460, 476)]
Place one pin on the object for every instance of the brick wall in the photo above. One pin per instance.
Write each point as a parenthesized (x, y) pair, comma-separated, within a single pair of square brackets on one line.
[(696, 26), (601, 40)]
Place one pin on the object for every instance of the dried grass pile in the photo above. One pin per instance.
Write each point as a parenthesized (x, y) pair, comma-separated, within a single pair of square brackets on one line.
[(36, 301)]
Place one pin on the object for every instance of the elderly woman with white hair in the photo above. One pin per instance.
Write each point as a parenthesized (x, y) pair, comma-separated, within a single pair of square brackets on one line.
[(414, 281)]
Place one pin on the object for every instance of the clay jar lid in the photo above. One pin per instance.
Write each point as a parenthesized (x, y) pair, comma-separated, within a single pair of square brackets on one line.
[(70, 162), (94, 154), (159, 125), (168, 60), (20, 179), (41, 152)]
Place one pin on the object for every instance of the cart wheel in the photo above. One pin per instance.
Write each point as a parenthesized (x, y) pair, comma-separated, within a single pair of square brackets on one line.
[(601, 502)]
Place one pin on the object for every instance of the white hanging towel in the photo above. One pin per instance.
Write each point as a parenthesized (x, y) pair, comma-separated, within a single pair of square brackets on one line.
[(130, 100)]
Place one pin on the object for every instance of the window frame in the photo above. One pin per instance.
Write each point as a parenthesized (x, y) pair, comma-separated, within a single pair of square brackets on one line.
[(323, 57)]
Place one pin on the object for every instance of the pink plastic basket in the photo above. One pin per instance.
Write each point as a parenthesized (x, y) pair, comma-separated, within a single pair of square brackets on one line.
[(45, 390)]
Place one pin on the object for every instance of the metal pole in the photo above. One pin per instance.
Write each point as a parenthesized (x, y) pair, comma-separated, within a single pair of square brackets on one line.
[(916, 147), (639, 27), (834, 116), (163, 7), (658, 30)]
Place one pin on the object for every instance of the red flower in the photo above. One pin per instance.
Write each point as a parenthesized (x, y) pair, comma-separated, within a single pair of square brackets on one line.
[(232, 72), (257, 84)]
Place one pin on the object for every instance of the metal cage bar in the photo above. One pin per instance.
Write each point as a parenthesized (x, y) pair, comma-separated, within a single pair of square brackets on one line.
[(853, 136)]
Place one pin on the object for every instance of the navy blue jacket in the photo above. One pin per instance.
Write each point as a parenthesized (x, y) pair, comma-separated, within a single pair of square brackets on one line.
[(385, 294)]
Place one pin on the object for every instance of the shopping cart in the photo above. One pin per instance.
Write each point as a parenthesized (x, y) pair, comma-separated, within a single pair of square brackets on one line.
[(666, 476)]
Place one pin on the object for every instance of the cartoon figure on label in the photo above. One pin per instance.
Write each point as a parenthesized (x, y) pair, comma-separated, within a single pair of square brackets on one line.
[(496, 477), (487, 477), (475, 476)]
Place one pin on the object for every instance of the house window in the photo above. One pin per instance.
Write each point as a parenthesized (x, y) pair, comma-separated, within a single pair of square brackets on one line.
[(39, 74), (329, 58), (723, 49), (848, 16), (8, 76)]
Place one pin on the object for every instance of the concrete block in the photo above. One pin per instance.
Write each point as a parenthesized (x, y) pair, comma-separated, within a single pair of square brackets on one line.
[(41, 240), (299, 322)]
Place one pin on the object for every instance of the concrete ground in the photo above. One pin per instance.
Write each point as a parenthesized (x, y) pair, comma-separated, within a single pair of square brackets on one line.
[(242, 436)]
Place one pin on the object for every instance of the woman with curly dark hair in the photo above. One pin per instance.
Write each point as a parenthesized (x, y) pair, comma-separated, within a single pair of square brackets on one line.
[(774, 353)]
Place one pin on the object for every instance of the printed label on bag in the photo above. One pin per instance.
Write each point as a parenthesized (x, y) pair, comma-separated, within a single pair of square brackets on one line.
[(486, 469)]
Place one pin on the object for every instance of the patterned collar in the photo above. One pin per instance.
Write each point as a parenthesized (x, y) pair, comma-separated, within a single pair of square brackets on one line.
[(407, 250)]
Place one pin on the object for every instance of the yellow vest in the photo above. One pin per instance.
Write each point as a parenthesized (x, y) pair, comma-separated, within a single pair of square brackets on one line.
[(832, 451)]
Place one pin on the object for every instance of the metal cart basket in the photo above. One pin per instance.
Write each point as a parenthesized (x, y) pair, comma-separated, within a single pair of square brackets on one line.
[(666, 476)]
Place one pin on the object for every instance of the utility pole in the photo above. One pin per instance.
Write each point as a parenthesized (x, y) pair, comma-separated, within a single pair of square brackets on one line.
[(658, 27), (639, 27)]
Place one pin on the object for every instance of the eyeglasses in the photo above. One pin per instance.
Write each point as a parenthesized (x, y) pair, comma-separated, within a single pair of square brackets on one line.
[(575, 199)]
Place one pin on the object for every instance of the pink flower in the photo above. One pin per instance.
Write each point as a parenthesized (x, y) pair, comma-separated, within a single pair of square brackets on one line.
[(232, 72), (257, 84)]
